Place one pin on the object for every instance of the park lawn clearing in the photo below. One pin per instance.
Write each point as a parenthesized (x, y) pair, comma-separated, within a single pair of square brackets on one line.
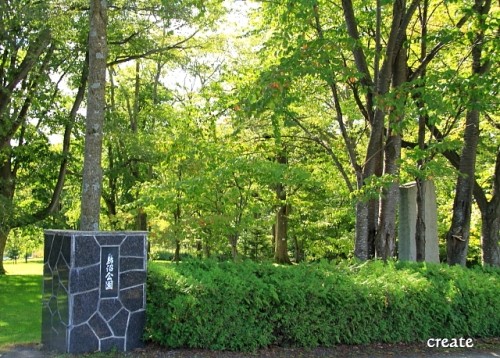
[(32, 267), (21, 303)]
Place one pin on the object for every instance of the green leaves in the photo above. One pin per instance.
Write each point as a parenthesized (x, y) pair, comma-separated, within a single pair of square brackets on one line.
[(246, 306)]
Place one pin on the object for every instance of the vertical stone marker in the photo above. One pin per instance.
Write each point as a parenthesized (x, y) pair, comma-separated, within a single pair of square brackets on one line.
[(94, 291), (408, 220)]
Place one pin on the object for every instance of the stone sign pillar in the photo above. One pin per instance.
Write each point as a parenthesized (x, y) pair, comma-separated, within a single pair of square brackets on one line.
[(94, 291), (408, 222)]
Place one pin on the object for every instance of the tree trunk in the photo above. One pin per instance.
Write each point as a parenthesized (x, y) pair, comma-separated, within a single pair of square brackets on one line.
[(177, 253), (141, 220), (299, 251), (361, 247), (489, 209), (13, 76), (110, 197), (420, 222), (373, 222), (199, 249), (92, 171), (373, 167), (233, 241), (490, 240), (422, 119), (490, 232), (386, 235), (8, 175), (6, 196), (457, 238), (281, 227), (177, 218), (4, 234), (207, 250), (373, 218), (281, 250), (389, 202)]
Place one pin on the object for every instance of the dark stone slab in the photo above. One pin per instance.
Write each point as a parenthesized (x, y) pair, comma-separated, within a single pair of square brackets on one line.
[(47, 287), (84, 279), (60, 291), (111, 240), (63, 271), (109, 344), (133, 298), (49, 238), (47, 271), (46, 326), (119, 323), (58, 326), (52, 305), (109, 307), (54, 251), (63, 286), (133, 246), (87, 251), (63, 308), (53, 334), (99, 326), (55, 286), (132, 278), (131, 263), (84, 306), (66, 250), (83, 340), (135, 329)]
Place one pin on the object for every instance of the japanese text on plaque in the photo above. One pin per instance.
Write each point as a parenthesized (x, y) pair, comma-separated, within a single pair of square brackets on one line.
[(109, 283)]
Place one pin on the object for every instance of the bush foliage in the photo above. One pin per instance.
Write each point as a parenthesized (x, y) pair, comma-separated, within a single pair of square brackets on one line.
[(245, 306)]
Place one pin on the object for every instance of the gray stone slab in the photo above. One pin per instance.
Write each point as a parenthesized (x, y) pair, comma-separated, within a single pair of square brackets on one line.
[(408, 221)]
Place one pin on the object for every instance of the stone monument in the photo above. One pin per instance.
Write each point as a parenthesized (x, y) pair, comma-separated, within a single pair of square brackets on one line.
[(94, 291), (408, 221)]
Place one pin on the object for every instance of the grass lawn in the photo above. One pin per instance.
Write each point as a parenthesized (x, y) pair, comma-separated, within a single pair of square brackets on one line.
[(21, 303)]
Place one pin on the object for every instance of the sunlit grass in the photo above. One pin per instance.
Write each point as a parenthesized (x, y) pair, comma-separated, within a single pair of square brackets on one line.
[(21, 303), (32, 267)]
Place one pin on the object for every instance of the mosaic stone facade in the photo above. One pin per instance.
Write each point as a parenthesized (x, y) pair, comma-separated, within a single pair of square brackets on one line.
[(94, 291)]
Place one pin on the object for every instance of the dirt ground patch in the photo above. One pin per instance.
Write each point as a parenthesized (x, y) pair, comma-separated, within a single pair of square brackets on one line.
[(483, 348)]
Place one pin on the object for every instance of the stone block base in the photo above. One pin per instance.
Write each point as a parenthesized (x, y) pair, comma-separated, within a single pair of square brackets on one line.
[(94, 291)]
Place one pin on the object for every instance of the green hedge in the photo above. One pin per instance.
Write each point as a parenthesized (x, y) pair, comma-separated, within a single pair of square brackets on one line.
[(245, 306)]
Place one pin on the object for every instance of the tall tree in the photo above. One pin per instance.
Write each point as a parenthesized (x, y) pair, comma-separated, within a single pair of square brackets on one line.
[(490, 217), (30, 108), (457, 238), (420, 238), (96, 103), (377, 222), (374, 67)]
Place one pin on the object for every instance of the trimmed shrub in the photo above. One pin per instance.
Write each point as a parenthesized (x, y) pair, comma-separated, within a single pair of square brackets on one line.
[(245, 306)]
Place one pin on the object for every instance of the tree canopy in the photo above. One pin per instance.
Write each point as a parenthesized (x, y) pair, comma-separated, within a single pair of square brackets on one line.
[(269, 130)]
